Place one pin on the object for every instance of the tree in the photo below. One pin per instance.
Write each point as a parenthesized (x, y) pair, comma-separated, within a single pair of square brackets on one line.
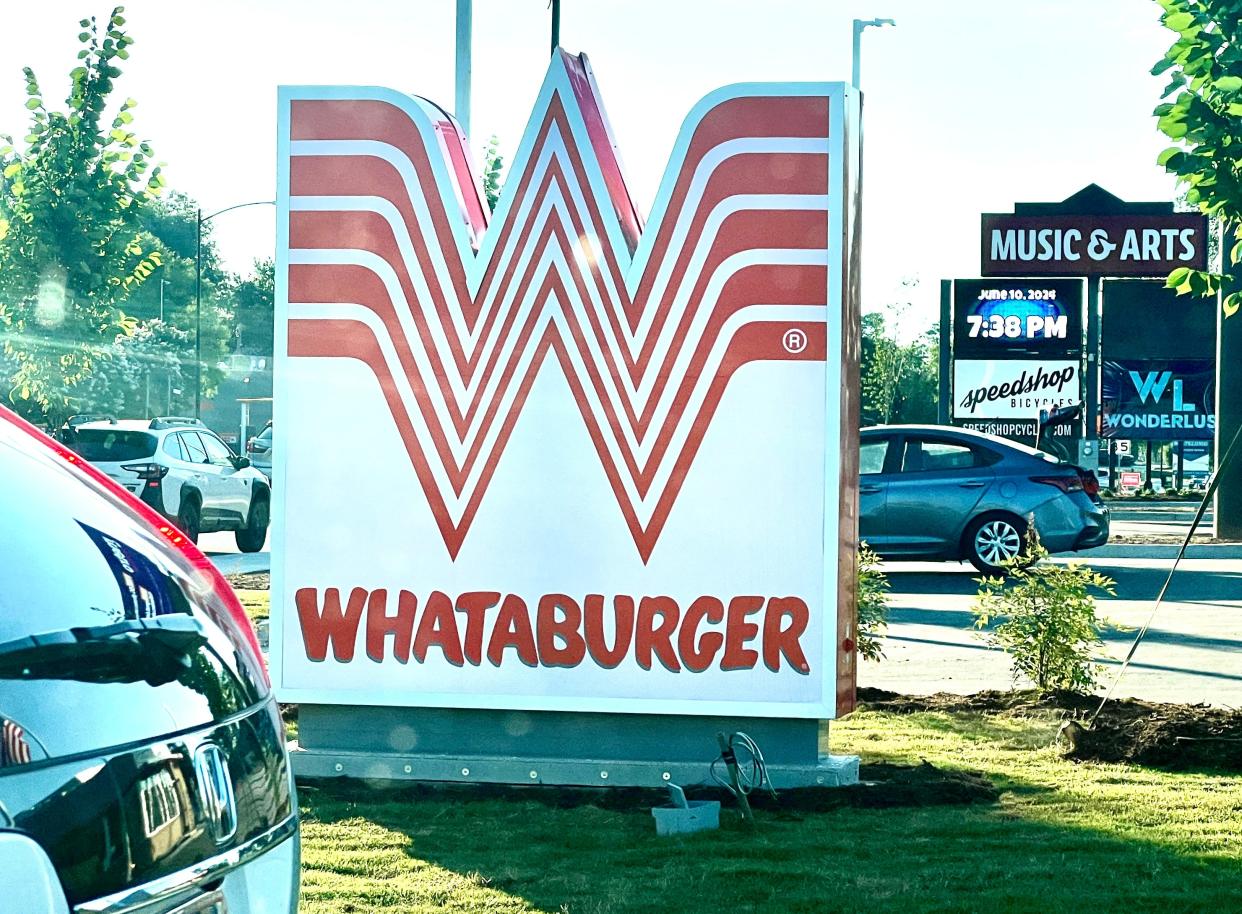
[(253, 302), (493, 165), (70, 251), (1205, 118), (900, 383)]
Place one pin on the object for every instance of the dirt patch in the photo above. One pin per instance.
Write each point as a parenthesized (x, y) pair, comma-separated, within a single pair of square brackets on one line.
[(1173, 737), (251, 580)]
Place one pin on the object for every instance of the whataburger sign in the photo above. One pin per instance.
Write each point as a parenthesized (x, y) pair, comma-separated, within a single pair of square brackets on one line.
[(554, 459)]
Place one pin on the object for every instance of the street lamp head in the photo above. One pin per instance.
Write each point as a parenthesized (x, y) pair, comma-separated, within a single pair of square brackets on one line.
[(860, 24)]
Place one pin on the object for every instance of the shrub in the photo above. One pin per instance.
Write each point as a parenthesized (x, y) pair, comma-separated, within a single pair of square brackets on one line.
[(1047, 619), (872, 604)]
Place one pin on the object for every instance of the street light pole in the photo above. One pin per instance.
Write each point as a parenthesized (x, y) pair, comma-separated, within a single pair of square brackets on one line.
[(556, 25), (198, 296), (198, 316), (859, 26), (465, 16)]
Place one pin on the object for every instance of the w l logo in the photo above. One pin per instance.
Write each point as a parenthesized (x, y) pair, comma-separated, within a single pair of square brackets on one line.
[(391, 261)]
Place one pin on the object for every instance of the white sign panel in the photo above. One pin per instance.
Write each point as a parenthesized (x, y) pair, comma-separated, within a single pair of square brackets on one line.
[(1013, 388), (563, 461)]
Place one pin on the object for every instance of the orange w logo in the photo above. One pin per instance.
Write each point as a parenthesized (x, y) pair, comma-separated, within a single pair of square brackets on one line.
[(391, 261)]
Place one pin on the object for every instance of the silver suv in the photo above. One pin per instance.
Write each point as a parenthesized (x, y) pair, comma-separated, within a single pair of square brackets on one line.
[(142, 758), (181, 469)]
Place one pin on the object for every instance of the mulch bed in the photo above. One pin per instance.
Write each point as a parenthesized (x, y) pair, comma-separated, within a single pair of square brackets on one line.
[(1169, 736)]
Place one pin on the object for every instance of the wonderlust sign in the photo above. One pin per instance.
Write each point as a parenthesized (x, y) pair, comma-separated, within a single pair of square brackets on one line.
[(552, 458)]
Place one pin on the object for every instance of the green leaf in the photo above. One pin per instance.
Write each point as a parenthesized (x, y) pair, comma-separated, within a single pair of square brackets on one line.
[(1173, 129), (14, 167), (1228, 83), (32, 103), (1179, 22), (1236, 254), (1164, 157), (1177, 277), (84, 36)]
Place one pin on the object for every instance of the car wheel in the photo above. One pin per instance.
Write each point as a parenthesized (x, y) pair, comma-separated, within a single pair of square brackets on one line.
[(251, 537), (190, 519), (993, 540)]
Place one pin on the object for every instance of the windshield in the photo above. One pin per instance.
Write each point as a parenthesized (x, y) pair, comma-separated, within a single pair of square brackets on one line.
[(105, 445)]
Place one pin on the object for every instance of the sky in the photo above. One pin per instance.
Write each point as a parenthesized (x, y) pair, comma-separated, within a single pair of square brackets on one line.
[(968, 106)]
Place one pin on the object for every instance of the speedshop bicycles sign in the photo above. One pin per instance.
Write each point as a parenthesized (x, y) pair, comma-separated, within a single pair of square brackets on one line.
[(552, 458)]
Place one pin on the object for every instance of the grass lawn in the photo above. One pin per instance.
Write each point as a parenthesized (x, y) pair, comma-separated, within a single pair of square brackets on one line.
[(1081, 838), (254, 602)]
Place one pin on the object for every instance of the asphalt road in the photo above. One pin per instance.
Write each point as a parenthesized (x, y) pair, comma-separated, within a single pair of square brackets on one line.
[(1193, 652), (1157, 518), (222, 549)]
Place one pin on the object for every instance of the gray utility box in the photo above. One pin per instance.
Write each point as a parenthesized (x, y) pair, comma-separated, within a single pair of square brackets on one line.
[(554, 747)]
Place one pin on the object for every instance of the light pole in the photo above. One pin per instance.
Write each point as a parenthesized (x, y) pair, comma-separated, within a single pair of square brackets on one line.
[(163, 283), (859, 25), (556, 25), (465, 16), (198, 296)]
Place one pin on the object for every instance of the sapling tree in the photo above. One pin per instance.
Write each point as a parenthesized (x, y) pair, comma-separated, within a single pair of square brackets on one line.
[(1043, 615), (873, 589)]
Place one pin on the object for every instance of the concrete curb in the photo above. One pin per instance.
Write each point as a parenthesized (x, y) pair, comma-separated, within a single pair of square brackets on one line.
[(240, 563), (1159, 551)]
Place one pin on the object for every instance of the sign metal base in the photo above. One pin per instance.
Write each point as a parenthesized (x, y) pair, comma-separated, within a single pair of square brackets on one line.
[(544, 747)]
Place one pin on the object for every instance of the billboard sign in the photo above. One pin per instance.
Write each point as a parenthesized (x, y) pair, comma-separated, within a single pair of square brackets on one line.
[(1036, 317), (1159, 399), (549, 458), (1052, 244), (1013, 388)]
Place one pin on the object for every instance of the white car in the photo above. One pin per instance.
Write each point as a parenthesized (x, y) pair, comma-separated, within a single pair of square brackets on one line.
[(183, 470)]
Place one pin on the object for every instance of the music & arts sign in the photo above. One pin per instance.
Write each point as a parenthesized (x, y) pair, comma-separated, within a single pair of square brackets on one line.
[(1086, 245)]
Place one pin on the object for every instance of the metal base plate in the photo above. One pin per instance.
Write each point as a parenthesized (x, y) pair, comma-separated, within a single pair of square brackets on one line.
[(829, 771)]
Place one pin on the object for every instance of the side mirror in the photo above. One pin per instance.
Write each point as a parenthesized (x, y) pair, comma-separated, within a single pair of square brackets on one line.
[(241, 463)]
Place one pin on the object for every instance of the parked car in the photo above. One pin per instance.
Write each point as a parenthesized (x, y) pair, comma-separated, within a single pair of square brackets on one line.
[(259, 450), (142, 757), (183, 470), (930, 492)]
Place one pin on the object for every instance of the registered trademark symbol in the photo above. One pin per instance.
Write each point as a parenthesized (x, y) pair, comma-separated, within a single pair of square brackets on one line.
[(794, 340)]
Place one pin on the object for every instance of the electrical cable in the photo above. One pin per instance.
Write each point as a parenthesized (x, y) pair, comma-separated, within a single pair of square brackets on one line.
[(1213, 485), (751, 776)]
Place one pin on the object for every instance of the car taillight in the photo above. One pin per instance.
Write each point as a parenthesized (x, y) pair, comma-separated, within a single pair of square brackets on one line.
[(1066, 484), (151, 472), (1090, 483), (205, 572)]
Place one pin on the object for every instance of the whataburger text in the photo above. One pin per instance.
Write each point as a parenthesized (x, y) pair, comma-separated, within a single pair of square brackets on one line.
[(479, 626)]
